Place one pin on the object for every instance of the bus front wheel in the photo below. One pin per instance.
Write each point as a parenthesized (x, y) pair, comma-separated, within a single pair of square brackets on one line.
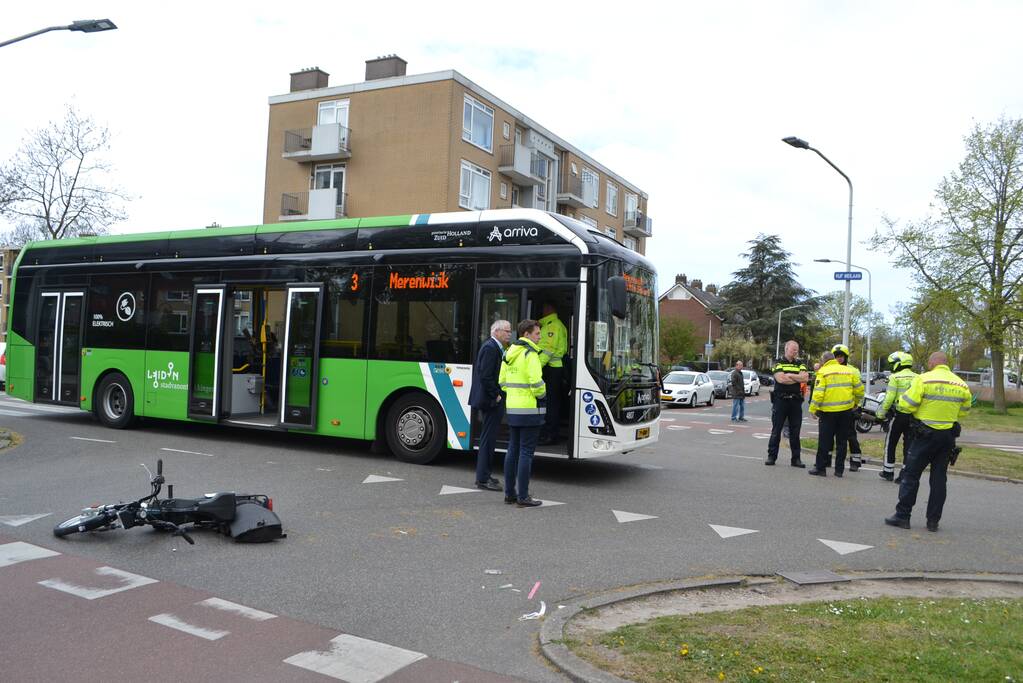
[(115, 401), (415, 429)]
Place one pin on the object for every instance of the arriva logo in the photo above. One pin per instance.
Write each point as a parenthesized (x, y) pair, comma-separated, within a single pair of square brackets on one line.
[(165, 379), (512, 233)]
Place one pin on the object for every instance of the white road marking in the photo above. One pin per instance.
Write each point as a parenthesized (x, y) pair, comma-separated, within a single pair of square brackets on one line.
[(744, 457), (356, 660), (721, 431), (18, 520), (700, 422), (171, 621), (730, 531), (548, 503), (19, 551), (1003, 447), (759, 435), (82, 438), (234, 607), (678, 428), (130, 581), (14, 413), (446, 490), (178, 450), (644, 466), (667, 419), (376, 479), (624, 517), (18, 404), (844, 548)]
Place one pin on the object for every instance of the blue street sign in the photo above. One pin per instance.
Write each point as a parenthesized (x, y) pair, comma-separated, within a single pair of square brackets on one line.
[(848, 275)]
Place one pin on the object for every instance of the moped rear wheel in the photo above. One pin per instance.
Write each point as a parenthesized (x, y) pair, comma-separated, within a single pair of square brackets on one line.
[(82, 523)]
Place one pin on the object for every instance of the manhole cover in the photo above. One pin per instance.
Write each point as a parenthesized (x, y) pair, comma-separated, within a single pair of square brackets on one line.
[(813, 576)]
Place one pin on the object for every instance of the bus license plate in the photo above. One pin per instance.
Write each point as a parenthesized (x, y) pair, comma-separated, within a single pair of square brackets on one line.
[(643, 433)]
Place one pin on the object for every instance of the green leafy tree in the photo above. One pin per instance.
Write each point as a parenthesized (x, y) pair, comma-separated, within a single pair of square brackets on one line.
[(760, 290), (971, 247), (678, 340), (734, 346)]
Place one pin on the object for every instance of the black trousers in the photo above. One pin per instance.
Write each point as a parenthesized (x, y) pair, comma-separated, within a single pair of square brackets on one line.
[(834, 429), (899, 428), (552, 378), (490, 425), (785, 410), (929, 447)]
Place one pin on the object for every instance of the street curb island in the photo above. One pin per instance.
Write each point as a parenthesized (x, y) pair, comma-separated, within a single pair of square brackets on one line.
[(552, 632), (951, 470)]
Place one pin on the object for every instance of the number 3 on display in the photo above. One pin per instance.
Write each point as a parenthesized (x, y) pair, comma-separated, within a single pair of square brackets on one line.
[(355, 282)]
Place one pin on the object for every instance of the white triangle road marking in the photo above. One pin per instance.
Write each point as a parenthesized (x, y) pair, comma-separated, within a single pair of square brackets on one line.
[(729, 531), (844, 548), (19, 551), (548, 503), (376, 479), (624, 517), (446, 490), (18, 520)]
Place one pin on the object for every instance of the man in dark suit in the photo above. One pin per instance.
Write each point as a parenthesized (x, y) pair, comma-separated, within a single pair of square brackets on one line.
[(485, 396)]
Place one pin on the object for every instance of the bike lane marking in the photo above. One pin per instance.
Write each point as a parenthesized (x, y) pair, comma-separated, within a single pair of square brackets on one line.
[(235, 608), (171, 621), (19, 551), (356, 660), (127, 579)]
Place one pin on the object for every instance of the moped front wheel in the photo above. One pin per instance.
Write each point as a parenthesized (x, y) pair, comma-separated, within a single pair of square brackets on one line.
[(82, 523)]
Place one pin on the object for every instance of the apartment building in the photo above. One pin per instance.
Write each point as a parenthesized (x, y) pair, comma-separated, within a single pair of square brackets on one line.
[(429, 143), (7, 259)]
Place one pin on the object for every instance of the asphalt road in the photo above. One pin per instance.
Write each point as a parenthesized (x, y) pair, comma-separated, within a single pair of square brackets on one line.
[(400, 563)]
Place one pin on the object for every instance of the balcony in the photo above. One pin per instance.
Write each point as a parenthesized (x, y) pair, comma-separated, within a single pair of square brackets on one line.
[(637, 224), (314, 205), (329, 142), (522, 164), (570, 191)]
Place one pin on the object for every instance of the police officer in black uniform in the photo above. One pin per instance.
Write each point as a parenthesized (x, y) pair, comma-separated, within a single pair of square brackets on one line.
[(787, 403)]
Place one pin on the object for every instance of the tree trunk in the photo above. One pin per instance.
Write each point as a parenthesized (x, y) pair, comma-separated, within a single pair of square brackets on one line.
[(998, 377)]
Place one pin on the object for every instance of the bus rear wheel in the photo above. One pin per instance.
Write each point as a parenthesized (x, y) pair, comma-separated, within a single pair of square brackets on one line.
[(415, 429), (115, 401)]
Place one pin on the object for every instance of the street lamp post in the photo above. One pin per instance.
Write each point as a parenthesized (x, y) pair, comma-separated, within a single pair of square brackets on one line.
[(777, 342), (870, 306), (83, 25), (803, 144)]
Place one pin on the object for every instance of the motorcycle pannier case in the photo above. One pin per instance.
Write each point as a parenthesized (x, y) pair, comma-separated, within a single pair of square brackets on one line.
[(253, 523)]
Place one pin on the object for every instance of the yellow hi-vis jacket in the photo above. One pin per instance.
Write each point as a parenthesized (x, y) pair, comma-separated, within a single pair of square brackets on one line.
[(838, 387), (937, 398), (553, 340), (898, 383), (521, 379)]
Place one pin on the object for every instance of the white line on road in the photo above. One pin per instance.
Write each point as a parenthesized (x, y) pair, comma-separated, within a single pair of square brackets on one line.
[(228, 606), (13, 553), (171, 621), (720, 431), (82, 438), (356, 660), (14, 413), (178, 450), (744, 457), (127, 578), (18, 520)]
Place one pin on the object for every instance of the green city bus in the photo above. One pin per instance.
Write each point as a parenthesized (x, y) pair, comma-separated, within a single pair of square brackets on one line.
[(361, 328)]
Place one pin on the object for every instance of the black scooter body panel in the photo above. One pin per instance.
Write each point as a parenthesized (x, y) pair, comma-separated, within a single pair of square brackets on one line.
[(254, 523)]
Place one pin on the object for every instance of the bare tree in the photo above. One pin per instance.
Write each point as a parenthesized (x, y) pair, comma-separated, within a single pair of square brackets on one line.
[(972, 247), (54, 186)]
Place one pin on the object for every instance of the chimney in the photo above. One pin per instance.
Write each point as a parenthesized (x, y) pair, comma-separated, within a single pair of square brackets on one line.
[(387, 66), (680, 279), (698, 284), (712, 289), (309, 79)]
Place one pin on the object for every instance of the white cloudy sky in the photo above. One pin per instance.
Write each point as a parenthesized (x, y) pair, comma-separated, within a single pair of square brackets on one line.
[(689, 102)]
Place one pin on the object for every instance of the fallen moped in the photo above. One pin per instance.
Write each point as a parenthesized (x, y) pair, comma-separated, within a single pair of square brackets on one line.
[(248, 518)]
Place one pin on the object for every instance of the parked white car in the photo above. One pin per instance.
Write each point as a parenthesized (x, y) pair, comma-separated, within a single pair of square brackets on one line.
[(687, 388), (750, 382)]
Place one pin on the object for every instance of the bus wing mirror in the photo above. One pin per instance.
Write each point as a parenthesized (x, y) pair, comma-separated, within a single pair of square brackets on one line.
[(616, 289)]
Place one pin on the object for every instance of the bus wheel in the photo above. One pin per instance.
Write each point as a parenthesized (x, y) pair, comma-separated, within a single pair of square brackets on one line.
[(415, 429), (115, 401)]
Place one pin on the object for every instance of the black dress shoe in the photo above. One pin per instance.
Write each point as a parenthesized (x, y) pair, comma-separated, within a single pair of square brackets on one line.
[(898, 479), (932, 526), (490, 485), (510, 499), (887, 476), (895, 520), (839, 473), (853, 466), (769, 463), (816, 472), (798, 463), (529, 502)]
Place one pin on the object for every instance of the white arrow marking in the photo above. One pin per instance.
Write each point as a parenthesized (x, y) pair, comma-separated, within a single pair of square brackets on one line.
[(623, 517), (720, 431), (18, 520), (548, 503), (448, 490), (376, 479), (843, 548), (729, 531)]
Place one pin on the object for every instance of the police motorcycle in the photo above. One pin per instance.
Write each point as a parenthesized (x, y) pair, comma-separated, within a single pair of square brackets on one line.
[(248, 518)]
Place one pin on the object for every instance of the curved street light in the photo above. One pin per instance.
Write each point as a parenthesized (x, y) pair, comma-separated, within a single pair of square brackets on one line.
[(777, 341), (83, 25)]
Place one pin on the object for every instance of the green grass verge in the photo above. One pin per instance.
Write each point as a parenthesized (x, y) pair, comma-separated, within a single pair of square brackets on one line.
[(881, 639), (984, 418), (973, 458)]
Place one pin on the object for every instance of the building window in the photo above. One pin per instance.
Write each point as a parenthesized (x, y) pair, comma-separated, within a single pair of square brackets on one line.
[(331, 177), (504, 190), (631, 207), (591, 188), (515, 196), (589, 221), (574, 168), (474, 193), (506, 131), (478, 124), (335, 111), (630, 243), (611, 205), (610, 232)]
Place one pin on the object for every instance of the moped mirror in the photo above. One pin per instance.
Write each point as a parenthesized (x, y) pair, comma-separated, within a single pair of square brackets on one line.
[(159, 466), (616, 292)]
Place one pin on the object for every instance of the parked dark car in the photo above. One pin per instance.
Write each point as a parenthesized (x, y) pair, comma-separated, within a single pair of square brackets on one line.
[(722, 385), (766, 378)]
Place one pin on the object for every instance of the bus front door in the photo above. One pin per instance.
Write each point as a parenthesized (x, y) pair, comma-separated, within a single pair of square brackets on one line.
[(205, 368), (59, 347), (301, 356)]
